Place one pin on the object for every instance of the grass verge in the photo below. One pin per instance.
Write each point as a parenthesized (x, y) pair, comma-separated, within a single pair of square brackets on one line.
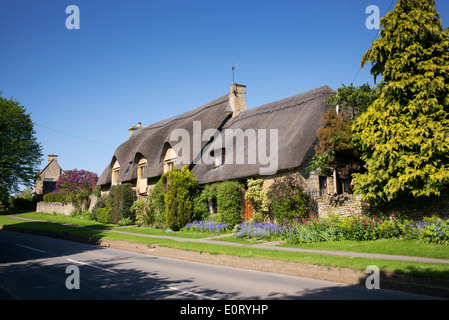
[(412, 248), (419, 269)]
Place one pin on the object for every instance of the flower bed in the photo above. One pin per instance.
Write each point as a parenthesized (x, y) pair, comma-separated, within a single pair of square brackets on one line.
[(362, 228), (355, 228), (316, 229), (260, 230), (206, 226)]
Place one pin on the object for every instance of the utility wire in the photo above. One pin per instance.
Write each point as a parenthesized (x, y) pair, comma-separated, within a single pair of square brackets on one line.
[(375, 38), (72, 135)]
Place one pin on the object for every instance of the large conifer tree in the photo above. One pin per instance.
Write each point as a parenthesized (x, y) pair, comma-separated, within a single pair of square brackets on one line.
[(405, 133)]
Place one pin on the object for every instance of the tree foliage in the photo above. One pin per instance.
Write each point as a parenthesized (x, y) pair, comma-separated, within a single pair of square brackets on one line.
[(20, 153), (354, 100), (335, 137), (404, 134), (229, 202), (180, 187), (288, 199), (75, 181), (258, 197), (118, 203), (336, 149)]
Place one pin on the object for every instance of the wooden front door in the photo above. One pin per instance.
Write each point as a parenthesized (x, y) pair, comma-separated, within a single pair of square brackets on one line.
[(248, 210)]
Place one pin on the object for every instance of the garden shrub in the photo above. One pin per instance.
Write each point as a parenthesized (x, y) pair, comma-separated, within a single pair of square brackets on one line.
[(200, 208), (201, 202), (119, 201), (101, 203), (23, 203), (104, 215), (53, 197), (388, 229), (74, 186), (155, 200), (229, 202), (288, 199), (180, 187), (144, 216), (259, 200)]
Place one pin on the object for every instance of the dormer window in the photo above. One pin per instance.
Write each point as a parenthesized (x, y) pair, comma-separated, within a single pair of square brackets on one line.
[(169, 160), (141, 168), (219, 157), (115, 172)]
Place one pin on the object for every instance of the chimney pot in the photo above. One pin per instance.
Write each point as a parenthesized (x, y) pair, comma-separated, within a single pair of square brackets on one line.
[(134, 128)]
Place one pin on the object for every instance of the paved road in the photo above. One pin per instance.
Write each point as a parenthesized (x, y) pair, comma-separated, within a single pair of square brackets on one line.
[(34, 267)]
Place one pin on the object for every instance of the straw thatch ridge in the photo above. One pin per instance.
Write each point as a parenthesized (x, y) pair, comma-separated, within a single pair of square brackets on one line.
[(296, 120), (152, 141)]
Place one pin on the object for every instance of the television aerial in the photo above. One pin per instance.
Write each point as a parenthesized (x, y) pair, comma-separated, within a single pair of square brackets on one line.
[(233, 68)]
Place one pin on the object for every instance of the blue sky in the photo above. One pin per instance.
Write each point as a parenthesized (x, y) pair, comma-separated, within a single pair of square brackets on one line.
[(144, 61)]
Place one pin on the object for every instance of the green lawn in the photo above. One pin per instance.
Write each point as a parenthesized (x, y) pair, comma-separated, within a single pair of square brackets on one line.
[(154, 231), (410, 248)]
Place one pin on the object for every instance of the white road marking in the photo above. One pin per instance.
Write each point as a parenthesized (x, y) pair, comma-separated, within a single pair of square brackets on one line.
[(192, 293), (31, 248), (91, 265)]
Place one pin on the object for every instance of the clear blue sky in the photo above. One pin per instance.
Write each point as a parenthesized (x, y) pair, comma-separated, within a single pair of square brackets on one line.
[(144, 61)]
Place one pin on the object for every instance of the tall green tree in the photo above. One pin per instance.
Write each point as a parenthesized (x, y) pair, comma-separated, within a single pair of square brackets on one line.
[(20, 153), (404, 134)]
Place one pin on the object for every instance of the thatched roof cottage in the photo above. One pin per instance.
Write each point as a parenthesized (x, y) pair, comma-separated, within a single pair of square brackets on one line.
[(223, 140)]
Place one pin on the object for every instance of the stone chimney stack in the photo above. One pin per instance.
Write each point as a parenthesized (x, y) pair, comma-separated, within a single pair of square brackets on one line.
[(237, 98), (52, 157), (134, 128)]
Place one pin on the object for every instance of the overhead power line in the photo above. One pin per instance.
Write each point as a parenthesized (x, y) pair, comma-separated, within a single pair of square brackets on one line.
[(75, 136), (375, 38)]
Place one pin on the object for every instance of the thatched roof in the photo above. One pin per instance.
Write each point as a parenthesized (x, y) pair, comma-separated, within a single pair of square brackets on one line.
[(296, 120), (151, 142)]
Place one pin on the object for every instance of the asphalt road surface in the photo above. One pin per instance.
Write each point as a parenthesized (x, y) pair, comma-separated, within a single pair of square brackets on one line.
[(35, 267)]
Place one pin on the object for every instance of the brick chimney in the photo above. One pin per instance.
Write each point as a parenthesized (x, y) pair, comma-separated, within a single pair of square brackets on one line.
[(52, 157), (237, 98), (134, 128)]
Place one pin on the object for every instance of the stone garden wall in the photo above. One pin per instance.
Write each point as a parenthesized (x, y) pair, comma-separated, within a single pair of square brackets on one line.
[(416, 209), (55, 207), (62, 207)]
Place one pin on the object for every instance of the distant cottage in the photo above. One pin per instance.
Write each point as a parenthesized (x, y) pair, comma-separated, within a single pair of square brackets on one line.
[(222, 140), (46, 179)]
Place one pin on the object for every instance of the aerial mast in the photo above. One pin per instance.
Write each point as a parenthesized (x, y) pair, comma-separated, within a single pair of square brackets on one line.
[(233, 68)]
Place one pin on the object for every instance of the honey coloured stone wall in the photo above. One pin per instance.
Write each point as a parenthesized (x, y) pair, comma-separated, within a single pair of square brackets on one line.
[(62, 207), (416, 209), (55, 207)]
